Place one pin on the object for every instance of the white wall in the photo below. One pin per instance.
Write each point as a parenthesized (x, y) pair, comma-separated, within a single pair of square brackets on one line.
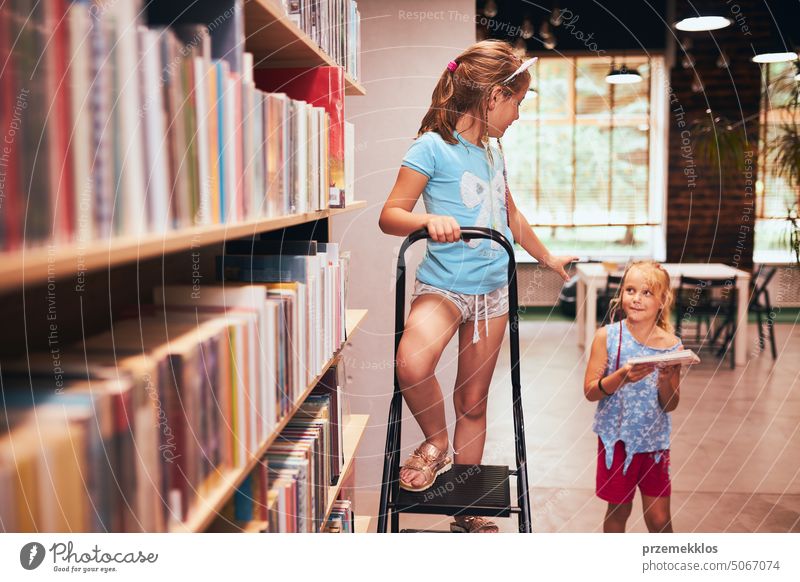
[(402, 58)]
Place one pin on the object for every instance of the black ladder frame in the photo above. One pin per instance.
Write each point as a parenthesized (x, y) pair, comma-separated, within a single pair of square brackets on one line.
[(390, 484)]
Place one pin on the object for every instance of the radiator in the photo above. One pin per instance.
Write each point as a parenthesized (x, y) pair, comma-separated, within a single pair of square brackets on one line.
[(539, 287), (784, 289)]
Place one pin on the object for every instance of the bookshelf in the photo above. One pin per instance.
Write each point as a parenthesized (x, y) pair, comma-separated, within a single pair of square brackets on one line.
[(352, 433), (33, 266), (275, 41), (207, 507), (124, 270)]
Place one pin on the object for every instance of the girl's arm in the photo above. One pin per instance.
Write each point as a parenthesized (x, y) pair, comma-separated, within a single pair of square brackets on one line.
[(596, 367), (524, 235), (398, 219), (669, 387)]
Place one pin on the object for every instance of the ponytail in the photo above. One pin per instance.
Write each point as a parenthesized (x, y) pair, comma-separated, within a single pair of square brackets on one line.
[(465, 85), (442, 115)]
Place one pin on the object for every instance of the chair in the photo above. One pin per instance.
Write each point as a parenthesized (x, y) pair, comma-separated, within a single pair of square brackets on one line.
[(760, 305), (604, 299), (709, 301)]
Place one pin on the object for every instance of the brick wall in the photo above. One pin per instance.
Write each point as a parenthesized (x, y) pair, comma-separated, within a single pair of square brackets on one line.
[(710, 210)]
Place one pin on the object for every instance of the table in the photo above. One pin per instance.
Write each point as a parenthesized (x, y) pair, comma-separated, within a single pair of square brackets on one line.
[(593, 276)]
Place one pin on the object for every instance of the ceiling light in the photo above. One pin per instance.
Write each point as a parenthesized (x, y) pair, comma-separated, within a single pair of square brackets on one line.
[(527, 31), (555, 16), (701, 23), (623, 76), (775, 57)]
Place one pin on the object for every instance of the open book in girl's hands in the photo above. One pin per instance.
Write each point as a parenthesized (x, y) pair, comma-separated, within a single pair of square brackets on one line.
[(681, 357)]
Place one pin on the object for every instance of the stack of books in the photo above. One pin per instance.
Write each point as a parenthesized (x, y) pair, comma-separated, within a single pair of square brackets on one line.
[(341, 518), (288, 490), (309, 277), (300, 462), (334, 25)]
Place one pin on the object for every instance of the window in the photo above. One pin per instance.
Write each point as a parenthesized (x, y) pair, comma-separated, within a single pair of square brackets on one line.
[(774, 196), (587, 159)]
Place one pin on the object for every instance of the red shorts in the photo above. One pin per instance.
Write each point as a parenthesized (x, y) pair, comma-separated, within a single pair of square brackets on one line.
[(652, 478)]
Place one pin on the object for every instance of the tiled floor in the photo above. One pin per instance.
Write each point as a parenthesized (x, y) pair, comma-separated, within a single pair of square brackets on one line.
[(735, 443)]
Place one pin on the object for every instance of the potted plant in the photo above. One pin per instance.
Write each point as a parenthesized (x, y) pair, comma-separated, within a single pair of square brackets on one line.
[(718, 140)]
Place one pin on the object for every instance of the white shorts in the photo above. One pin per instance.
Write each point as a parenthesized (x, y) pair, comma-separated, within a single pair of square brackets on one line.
[(471, 307)]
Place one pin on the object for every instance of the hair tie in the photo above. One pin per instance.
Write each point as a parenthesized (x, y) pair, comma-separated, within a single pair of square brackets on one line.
[(452, 66)]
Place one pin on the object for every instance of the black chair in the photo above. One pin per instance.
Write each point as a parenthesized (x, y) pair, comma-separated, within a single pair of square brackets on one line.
[(762, 307), (711, 302), (604, 300)]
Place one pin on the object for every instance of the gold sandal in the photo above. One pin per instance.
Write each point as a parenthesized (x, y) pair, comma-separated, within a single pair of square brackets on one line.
[(428, 460), (473, 524)]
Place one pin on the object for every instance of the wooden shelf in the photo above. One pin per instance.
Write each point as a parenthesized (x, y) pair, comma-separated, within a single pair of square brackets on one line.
[(363, 523), (276, 41), (255, 526), (352, 432), (353, 320), (29, 267), (206, 508)]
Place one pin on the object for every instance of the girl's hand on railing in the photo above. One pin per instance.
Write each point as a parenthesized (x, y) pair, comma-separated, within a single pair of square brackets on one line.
[(443, 229)]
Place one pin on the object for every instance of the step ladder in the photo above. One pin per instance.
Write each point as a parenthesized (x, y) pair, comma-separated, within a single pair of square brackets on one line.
[(465, 489)]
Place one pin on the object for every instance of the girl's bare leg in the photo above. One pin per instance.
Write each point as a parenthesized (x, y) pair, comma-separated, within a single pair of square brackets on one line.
[(476, 364), (431, 324)]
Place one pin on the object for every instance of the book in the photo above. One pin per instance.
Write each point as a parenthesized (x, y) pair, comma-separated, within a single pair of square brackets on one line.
[(329, 386), (156, 150), (679, 358), (130, 213)]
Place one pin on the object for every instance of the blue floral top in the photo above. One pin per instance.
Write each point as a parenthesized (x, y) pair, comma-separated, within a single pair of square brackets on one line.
[(632, 414)]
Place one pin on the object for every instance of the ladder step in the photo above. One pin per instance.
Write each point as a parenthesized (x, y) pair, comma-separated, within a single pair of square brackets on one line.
[(463, 490)]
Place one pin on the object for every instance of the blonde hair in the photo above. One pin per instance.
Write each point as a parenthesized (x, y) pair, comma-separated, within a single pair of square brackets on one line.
[(466, 90), (658, 280)]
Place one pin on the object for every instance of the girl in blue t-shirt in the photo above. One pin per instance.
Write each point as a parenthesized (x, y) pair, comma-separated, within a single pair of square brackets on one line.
[(461, 178), (631, 421)]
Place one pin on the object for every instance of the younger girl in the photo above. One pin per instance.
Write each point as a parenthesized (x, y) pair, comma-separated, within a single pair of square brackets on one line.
[(461, 178), (631, 420)]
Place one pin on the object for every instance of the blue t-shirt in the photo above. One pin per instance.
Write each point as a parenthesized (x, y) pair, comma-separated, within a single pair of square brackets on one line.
[(632, 414), (460, 185)]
